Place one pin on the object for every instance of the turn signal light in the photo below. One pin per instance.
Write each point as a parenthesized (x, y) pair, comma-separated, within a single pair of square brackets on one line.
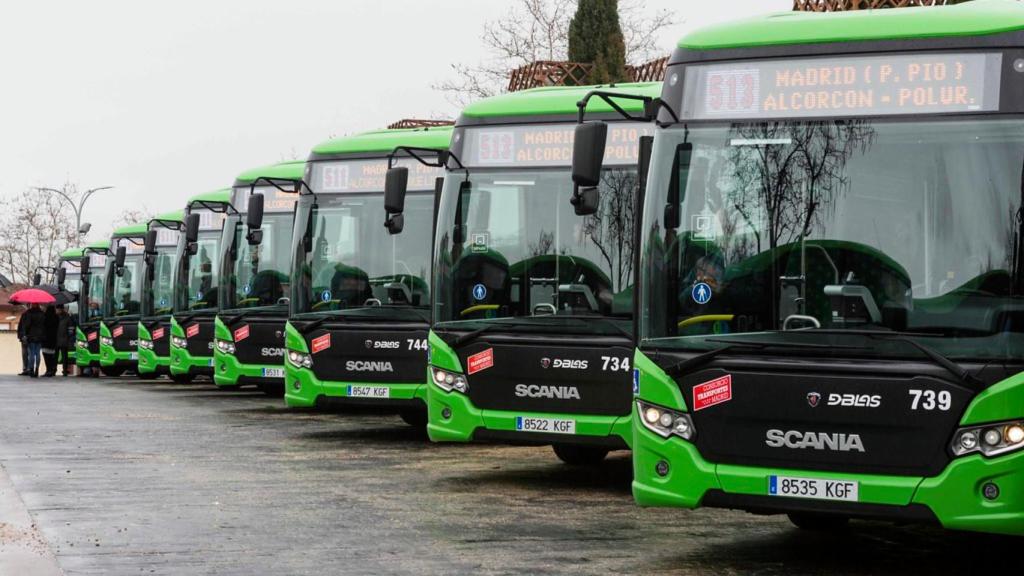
[(665, 422)]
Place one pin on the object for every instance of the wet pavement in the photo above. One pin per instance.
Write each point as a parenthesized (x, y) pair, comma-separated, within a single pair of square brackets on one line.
[(130, 477)]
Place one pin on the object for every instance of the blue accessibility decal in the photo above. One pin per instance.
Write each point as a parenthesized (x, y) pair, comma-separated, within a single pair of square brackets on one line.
[(701, 293), (326, 296), (479, 292), (636, 381)]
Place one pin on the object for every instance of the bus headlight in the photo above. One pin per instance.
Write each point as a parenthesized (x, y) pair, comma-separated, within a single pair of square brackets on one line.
[(146, 344), (665, 422), (179, 342), (106, 341), (226, 347), (300, 360), (989, 440), (449, 381)]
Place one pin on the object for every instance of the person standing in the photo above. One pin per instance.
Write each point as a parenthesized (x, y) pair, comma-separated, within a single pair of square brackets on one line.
[(25, 371), (35, 333), (50, 324), (65, 337)]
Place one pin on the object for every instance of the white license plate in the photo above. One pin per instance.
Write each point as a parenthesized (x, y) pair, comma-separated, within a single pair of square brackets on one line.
[(550, 425), (273, 372), (814, 488), (133, 355), (369, 391)]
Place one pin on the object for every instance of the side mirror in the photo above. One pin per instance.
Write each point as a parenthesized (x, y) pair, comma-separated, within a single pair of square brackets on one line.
[(254, 216), (122, 251), (61, 275), (83, 265), (586, 201), (588, 153), (192, 228), (459, 233), (37, 279), (396, 184), (149, 247)]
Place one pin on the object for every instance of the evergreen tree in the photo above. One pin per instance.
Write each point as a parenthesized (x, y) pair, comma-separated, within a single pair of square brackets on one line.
[(595, 37)]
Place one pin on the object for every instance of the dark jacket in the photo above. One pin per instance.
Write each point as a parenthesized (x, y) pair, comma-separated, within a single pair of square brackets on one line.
[(50, 323), (35, 325), (65, 330)]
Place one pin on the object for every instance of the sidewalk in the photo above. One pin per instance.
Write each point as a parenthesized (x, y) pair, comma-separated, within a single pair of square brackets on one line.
[(23, 550)]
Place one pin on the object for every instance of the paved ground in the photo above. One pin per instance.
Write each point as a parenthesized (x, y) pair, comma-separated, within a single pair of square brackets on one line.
[(126, 477)]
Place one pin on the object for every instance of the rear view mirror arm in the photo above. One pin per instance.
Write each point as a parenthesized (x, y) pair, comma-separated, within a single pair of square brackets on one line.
[(651, 106), (299, 184)]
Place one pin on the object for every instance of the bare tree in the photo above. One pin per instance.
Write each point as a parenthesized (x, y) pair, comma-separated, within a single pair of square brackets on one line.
[(130, 216), (34, 229), (610, 229), (539, 30)]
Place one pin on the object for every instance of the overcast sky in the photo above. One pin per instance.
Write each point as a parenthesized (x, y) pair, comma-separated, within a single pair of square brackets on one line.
[(164, 100)]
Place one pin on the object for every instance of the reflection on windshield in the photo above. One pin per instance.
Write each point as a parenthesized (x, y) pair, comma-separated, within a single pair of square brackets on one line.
[(837, 225), (97, 285), (73, 283), (126, 289), (353, 262), (159, 287), (261, 271), (510, 244), (199, 291)]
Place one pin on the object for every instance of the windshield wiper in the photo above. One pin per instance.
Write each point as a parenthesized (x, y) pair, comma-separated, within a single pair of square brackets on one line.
[(587, 318), (732, 344), (474, 334), (934, 355)]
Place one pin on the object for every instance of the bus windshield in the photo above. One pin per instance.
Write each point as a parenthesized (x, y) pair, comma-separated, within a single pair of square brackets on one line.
[(198, 289), (72, 283), (511, 245), (159, 286), (353, 263), (125, 289), (262, 272), (785, 229)]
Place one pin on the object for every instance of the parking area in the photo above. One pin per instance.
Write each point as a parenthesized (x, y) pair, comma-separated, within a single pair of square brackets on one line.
[(130, 477)]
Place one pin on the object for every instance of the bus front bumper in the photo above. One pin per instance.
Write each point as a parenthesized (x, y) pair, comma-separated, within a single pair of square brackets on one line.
[(150, 362), (452, 417), (671, 472), (109, 357), (228, 371), (183, 363), (304, 390)]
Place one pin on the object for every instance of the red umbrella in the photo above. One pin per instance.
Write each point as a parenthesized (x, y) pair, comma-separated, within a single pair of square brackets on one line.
[(32, 296)]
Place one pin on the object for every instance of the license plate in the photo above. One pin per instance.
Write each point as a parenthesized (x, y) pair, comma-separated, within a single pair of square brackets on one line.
[(273, 372), (550, 425), (210, 362), (133, 355), (369, 391), (814, 488)]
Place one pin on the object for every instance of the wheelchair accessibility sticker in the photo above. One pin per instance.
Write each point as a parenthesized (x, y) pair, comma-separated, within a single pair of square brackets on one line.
[(479, 292), (701, 293)]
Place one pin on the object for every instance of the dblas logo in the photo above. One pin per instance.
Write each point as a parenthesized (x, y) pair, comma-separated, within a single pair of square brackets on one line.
[(539, 391), (836, 441), (564, 363)]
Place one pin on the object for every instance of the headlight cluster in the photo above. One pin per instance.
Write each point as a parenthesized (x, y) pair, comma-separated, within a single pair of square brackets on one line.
[(665, 422), (449, 381), (300, 360), (81, 344), (991, 440), (106, 341), (226, 347), (179, 342), (147, 344)]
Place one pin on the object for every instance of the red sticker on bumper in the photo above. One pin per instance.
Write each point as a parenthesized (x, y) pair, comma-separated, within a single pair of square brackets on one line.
[(118, 331), (321, 343), (158, 333), (711, 393), (192, 330), (242, 333), (91, 336), (480, 361)]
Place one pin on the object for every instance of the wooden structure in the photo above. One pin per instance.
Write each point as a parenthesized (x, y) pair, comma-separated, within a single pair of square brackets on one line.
[(558, 73), (842, 5), (418, 123)]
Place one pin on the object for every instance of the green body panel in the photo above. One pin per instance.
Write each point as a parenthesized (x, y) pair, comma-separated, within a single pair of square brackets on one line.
[(83, 358), (182, 362), (110, 357), (99, 246), (227, 368), (290, 170), (131, 230), (176, 216), (1004, 401), (72, 253), (954, 496), (149, 360), (385, 141), (217, 196), (969, 19), (466, 418), (558, 100)]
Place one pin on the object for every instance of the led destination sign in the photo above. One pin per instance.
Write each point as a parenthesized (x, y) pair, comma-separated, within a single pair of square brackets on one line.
[(548, 145), (368, 175), (274, 200), (844, 86)]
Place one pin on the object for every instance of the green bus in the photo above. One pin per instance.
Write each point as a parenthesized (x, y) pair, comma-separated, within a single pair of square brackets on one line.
[(255, 272), (122, 302), (532, 337), (68, 276), (158, 269), (195, 287), (360, 299), (93, 285), (830, 316)]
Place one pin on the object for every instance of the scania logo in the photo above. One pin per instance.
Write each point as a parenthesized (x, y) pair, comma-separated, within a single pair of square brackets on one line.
[(366, 366), (836, 442), (369, 344), (272, 352), (813, 398), (564, 363), (537, 391)]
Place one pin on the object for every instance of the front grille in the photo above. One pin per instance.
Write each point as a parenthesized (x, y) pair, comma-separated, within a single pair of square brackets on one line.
[(264, 344), (369, 355)]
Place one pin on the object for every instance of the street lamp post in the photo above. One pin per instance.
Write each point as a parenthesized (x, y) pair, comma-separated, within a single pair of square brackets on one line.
[(81, 202)]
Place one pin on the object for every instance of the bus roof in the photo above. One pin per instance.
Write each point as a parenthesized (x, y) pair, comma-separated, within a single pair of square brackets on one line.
[(291, 169), (557, 100), (72, 253), (131, 230), (176, 216), (386, 140), (977, 18), (217, 196), (98, 245)]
